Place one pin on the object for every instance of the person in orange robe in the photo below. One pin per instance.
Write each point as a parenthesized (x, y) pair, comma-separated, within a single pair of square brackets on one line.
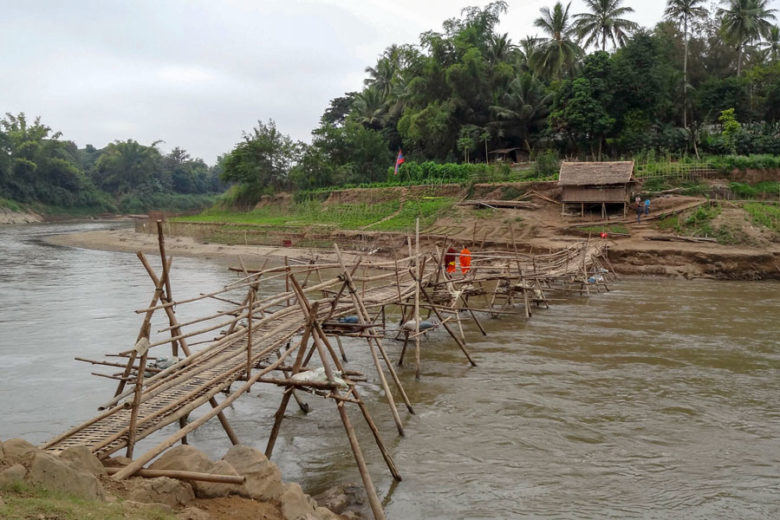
[(449, 260), (465, 260)]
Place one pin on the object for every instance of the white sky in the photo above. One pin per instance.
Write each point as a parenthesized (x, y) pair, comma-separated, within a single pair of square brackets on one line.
[(196, 73)]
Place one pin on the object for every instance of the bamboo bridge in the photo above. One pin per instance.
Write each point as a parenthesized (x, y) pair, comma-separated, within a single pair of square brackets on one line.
[(287, 337)]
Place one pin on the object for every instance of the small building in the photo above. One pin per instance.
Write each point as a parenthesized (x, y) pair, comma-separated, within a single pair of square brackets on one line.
[(510, 155), (600, 184)]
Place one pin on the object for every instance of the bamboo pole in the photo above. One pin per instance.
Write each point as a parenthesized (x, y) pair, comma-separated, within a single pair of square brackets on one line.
[(185, 475), (168, 296), (417, 288)]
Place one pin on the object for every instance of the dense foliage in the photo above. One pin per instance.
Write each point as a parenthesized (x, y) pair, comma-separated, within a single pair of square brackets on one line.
[(36, 167)]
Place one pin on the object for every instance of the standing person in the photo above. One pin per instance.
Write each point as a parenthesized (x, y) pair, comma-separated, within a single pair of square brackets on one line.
[(638, 210), (647, 206), (465, 260), (449, 259)]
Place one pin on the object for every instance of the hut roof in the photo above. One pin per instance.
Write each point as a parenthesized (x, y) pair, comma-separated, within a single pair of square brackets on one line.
[(588, 173)]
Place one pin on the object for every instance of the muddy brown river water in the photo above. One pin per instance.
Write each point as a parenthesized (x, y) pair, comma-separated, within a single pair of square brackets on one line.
[(659, 399)]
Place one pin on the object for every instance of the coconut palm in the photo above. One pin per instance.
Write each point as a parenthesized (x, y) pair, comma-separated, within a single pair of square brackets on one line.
[(522, 109), (558, 52), (604, 22), (744, 21), (683, 12), (771, 46)]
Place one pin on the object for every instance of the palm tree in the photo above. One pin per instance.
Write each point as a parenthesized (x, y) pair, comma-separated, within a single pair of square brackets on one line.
[(682, 12), (369, 107), (558, 52), (744, 21), (604, 23), (522, 109), (771, 46)]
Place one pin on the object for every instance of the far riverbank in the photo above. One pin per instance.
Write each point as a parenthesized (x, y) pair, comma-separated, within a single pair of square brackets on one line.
[(633, 256)]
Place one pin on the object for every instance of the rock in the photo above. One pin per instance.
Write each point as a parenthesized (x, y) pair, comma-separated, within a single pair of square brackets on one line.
[(184, 458), (54, 474), (119, 461), (295, 504), (15, 473), (15, 449), (215, 489), (187, 458), (334, 498), (263, 478), (83, 459), (193, 513), (323, 513), (161, 490)]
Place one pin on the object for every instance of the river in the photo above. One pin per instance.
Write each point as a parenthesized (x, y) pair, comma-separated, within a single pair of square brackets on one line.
[(658, 399)]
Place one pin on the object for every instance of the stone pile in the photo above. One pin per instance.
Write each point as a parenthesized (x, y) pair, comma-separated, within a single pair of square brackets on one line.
[(77, 472)]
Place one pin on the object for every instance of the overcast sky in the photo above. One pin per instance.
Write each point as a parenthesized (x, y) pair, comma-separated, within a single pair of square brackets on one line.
[(196, 74)]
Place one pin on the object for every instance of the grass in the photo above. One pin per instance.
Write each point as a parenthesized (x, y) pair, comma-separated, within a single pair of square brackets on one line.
[(766, 215), (10, 204), (343, 216), (23, 502)]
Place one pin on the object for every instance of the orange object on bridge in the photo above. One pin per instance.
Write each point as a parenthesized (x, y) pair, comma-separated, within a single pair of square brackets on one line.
[(465, 260)]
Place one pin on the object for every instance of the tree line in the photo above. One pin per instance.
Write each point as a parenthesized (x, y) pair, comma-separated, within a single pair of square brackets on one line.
[(36, 166), (591, 85)]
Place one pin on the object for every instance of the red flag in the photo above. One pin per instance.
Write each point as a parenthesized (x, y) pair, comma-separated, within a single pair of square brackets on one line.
[(398, 161)]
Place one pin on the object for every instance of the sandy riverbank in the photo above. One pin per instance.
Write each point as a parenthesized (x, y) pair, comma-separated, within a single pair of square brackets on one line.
[(629, 256), (127, 240)]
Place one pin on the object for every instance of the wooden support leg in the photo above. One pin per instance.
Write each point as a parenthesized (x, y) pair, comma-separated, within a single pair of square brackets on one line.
[(403, 350), (341, 349), (183, 424), (373, 499), (225, 424)]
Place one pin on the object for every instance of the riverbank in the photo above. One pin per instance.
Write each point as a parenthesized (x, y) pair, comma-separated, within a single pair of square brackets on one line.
[(8, 216), (629, 255), (126, 239)]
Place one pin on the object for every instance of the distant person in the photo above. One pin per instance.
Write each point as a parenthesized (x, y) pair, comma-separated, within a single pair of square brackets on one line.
[(638, 210), (647, 206)]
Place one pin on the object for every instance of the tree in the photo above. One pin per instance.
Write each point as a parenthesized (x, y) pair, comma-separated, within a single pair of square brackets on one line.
[(521, 110), (128, 166), (731, 128), (604, 23), (261, 163), (771, 46), (745, 21), (683, 12), (581, 107), (558, 53)]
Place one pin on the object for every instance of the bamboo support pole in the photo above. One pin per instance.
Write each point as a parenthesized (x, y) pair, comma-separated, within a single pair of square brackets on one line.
[(185, 475), (168, 295), (136, 403), (417, 276), (269, 448), (144, 331), (364, 319)]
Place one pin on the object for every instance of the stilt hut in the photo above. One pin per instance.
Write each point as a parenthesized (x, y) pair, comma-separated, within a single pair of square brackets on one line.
[(596, 184)]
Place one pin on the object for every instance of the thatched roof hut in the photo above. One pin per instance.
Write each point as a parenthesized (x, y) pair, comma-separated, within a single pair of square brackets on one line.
[(596, 183)]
